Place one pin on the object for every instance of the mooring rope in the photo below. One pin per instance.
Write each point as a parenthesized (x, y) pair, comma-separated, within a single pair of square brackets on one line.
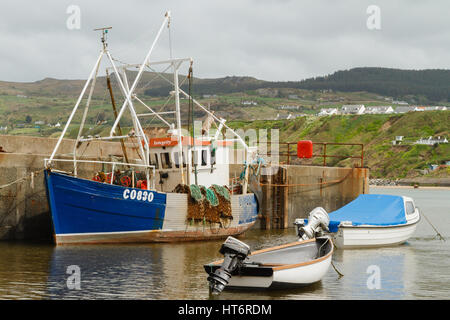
[(332, 264), (437, 232), (337, 271), (306, 184), (28, 175), (11, 183)]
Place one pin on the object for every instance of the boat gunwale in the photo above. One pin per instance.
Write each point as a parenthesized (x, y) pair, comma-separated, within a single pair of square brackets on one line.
[(68, 174), (372, 226), (278, 267)]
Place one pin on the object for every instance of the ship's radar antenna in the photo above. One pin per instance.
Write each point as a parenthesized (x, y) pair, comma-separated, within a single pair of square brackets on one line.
[(104, 34)]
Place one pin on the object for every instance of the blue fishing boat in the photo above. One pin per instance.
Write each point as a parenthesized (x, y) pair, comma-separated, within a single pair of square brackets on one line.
[(175, 187)]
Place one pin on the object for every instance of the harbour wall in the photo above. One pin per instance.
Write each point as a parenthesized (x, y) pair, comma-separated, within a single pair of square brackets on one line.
[(293, 191), (289, 191), (24, 212)]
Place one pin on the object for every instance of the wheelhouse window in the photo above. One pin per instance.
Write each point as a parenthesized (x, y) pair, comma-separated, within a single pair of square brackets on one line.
[(165, 160), (213, 157), (175, 159), (154, 160), (194, 157), (410, 209), (204, 157)]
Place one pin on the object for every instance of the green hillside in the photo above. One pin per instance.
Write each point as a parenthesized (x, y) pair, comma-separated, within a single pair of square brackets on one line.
[(35, 108), (376, 132)]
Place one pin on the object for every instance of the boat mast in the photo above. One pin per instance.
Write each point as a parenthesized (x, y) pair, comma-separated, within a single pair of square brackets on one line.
[(176, 65), (136, 80), (88, 102), (113, 103), (127, 93), (97, 63)]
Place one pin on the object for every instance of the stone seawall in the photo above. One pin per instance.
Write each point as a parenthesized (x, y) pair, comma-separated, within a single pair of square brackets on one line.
[(292, 191), (24, 212)]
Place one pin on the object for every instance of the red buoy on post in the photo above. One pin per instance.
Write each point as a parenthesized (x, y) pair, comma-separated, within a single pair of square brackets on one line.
[(304, 149)]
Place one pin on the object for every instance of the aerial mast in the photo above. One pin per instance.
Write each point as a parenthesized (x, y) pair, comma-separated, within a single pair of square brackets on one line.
[(88, 102)]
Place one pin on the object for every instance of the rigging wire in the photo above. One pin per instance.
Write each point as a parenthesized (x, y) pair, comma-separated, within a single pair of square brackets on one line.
[(151, 80), (190, 105), (170, 39), (149, 122)]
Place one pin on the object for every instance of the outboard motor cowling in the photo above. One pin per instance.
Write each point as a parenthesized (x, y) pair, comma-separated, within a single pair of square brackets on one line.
[(318, 222), (234, 252)]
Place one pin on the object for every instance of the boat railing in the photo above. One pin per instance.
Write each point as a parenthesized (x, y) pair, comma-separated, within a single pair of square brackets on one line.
[(114, 165)]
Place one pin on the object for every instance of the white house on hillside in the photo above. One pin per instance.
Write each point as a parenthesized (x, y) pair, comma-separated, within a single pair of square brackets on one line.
[(398, 140), (430, 141), (379, 110), (403, 109), (435, 108), (328, 112), (353, 109), (285, 117)]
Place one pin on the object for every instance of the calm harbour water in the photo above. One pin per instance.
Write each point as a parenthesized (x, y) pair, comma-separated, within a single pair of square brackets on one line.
[(419, 269)]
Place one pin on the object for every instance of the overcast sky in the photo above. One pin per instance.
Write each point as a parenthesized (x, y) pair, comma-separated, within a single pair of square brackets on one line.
[(270, 40)]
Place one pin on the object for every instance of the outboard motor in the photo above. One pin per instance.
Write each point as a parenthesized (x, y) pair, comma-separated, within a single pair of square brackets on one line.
[(234, 252), (318, 221)]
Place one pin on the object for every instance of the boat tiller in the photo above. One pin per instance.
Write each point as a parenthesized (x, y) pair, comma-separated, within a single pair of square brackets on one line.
[(234, 252), (318, 221)]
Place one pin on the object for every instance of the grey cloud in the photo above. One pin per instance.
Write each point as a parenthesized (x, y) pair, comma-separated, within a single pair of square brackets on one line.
[(270, 40)]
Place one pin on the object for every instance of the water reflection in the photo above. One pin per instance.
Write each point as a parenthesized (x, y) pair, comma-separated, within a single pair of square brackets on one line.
[(175, 271), (23, 270), (127, 272), (155, 271), (152, 271), (418, 269), (396, 268)]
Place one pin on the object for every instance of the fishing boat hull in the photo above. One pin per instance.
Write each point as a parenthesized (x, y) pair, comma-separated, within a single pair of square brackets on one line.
[(291, 265), (349, 237), (90, 212)]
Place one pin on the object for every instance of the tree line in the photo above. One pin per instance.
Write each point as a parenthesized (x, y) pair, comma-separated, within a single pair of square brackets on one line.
[(431, 85)]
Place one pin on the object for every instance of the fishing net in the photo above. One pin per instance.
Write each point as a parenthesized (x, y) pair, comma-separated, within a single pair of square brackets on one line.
[(224, 207), (207, 204), (195, 192), (211, 215), (211, 197), (222, 191), (195, 208)]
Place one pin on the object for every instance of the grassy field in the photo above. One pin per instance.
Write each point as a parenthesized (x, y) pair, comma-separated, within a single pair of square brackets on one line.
[(24, 110), (376, 132)]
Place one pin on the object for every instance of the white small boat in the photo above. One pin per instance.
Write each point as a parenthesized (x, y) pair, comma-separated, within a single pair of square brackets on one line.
[(293, 264), (374, 220)]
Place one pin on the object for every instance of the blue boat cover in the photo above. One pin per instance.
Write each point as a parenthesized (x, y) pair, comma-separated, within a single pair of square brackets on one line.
[(370, 209)]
